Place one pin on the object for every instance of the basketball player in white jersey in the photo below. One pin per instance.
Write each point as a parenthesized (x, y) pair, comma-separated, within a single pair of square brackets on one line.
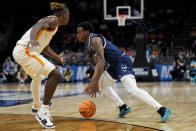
[(27, 54)]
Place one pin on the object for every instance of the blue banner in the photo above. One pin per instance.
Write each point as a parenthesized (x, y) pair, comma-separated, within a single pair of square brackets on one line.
[(164, 72), (79, 72)]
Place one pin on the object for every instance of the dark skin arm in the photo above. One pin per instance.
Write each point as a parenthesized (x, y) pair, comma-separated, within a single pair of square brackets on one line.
[(93, 86), (49, 52), (45, 23)]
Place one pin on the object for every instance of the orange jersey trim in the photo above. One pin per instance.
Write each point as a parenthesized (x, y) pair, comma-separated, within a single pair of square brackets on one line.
[(38, 36), (35, 57)]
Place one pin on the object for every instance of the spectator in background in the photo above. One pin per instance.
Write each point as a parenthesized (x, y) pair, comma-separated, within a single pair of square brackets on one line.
[(68, 55), (68, 75), (151, 58), (183, 51), (74, 58), (3, 79), (8, 69), (193, 34), (163, 48), (62, 54), (179, 69), (189, 55), (89, 74), (21, 76), (148, 51), (192, 71)]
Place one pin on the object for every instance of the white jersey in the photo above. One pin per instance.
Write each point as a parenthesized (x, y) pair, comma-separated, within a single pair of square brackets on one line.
[(43, 38)]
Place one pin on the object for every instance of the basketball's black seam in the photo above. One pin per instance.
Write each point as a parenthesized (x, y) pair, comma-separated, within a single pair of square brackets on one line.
[(89, 107), (94, 106), (92, 111), (87, 112)]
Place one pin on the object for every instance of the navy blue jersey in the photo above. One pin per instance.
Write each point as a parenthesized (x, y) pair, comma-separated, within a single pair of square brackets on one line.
[(120, 63), (111, 52)]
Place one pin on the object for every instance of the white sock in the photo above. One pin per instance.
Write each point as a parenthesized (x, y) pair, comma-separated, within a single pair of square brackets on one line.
[(35, 89), (129, 83), (109, 91), (43, 109)]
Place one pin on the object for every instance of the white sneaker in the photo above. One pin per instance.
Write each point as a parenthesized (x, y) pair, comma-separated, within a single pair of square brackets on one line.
[(44, 119)]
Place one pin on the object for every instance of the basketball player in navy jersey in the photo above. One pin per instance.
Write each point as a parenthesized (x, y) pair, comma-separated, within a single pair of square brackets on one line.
[(120, 69)]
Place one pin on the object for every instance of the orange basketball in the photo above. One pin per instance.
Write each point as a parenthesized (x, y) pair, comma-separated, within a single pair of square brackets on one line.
[(87, 109)]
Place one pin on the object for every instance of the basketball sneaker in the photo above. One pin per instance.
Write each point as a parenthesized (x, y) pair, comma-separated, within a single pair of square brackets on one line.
[(124, 110), (165, 113), (35, 109), (44, 118)]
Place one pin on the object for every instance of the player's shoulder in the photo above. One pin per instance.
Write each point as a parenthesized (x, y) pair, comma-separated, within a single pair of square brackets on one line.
[(53, 17), (49, 19), (49, 22), (96, 39)]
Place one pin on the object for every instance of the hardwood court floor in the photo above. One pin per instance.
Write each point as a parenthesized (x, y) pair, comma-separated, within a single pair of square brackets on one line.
[(179, 97)]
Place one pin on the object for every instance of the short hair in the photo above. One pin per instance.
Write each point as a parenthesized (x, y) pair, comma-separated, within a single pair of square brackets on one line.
[(58, 8), (87, 26)]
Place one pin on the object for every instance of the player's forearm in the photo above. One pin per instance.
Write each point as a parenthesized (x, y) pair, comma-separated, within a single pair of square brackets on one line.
[(99, 69), (49, 52)]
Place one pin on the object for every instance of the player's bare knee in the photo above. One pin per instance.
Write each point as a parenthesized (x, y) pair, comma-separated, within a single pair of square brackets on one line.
[(58, 74), (55, 74)]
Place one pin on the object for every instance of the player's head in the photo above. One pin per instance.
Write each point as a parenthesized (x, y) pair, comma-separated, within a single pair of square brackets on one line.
[(61, 11), (83, 31)]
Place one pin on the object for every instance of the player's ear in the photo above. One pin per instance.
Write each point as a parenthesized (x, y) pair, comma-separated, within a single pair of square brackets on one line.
[(86, 32)]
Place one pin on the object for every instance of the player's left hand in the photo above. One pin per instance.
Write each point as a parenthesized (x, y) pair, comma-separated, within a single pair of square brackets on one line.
[(92, 89)]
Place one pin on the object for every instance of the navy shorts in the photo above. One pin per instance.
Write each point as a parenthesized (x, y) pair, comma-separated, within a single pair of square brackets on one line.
[(121, 67)]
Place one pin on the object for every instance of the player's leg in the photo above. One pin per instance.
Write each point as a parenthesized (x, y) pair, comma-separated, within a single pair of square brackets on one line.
[(105, 85), (35, 89), (129, 83), (34, 67), (31, 67), (54, 76)]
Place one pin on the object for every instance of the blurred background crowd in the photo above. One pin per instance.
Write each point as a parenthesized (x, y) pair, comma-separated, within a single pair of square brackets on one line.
[(169, 30)]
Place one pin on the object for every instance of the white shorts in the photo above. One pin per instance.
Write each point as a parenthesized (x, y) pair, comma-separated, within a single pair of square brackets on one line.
[(33, 63)]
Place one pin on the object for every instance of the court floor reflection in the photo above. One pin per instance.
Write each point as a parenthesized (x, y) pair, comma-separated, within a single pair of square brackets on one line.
[(18, 122)]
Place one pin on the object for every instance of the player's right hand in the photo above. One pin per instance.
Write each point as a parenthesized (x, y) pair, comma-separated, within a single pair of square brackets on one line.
[(33, 44), (92, 89), (61, 60)]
